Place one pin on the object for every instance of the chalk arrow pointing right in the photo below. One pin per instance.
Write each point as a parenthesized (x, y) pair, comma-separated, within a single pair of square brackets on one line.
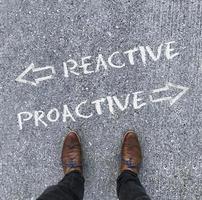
[(32, 68), (169, 86)]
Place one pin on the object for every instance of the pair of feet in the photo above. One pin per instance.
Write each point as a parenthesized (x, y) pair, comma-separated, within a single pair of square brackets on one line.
[(131, 156)]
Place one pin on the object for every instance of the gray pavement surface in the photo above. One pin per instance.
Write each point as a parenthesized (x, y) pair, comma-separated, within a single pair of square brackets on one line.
[(49, 33)]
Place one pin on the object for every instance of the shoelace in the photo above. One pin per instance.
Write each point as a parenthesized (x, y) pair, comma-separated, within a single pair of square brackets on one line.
[(71, 164), (130, 164)]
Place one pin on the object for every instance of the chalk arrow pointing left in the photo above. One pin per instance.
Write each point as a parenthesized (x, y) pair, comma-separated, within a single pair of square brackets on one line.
[(32, 69), (169, 87)]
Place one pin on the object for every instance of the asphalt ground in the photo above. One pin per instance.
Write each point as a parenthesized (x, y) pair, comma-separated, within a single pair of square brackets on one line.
[(64, 67)]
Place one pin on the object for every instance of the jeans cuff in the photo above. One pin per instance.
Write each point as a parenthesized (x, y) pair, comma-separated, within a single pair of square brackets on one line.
[(72, 173), (127, 172)]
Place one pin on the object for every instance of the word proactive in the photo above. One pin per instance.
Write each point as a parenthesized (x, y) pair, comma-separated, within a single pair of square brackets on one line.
[(117, 60), (112, 103)]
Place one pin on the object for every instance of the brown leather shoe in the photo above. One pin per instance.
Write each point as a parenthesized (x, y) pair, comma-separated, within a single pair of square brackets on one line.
[(71, 153), (131, 155)]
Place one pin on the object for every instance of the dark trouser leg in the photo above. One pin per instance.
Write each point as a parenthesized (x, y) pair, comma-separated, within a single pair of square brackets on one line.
[(70, 188), (130, 188)]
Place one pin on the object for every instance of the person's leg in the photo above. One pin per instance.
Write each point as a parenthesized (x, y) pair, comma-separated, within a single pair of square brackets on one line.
[(128, 183), (71, 187), (130, 188)]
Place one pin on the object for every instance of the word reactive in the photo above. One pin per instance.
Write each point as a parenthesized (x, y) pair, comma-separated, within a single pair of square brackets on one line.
[(71, 66), (89, 65), (112, 103)]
